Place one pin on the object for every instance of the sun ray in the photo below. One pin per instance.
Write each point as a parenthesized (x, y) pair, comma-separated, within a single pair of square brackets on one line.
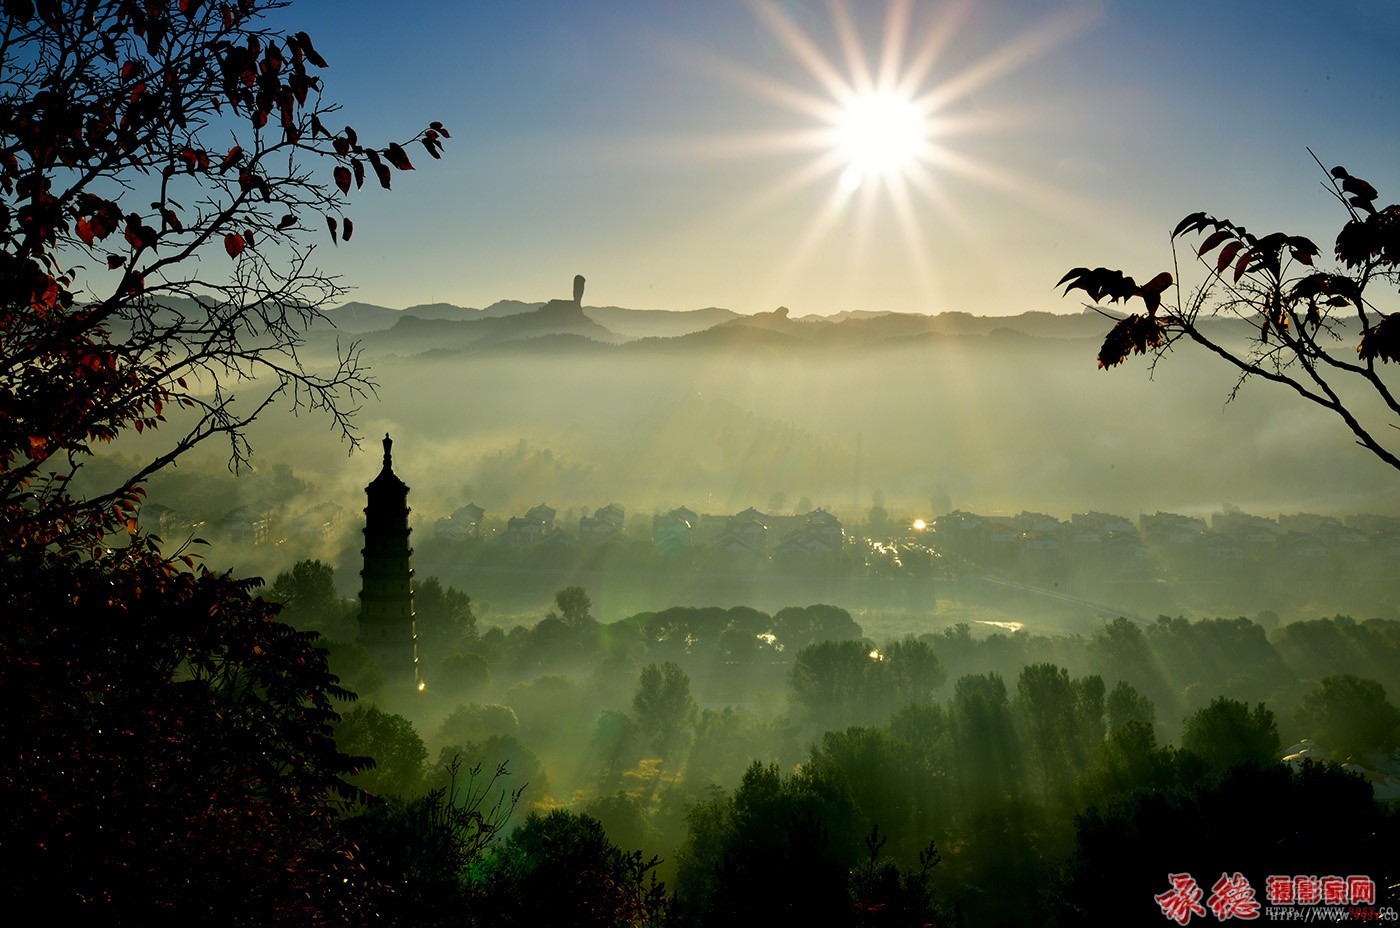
[(1025, 48), (860, 80), (799, 251), (780, 92), (798, 42), (896, 35), (942, 33)]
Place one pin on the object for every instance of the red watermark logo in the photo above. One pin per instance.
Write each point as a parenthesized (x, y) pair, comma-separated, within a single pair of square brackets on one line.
[(1232, 896)]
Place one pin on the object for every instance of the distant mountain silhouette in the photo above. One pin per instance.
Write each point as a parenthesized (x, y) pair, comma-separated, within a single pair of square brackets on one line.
[(441, 327), (661, 323), (358, 318), (414, 335)]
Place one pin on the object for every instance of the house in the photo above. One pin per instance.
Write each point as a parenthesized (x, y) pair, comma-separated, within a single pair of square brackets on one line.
[(1169, 528), (544, 515), (1373, 524), (557, 540), (671, 533), (1303, 547), (604, 525), (1308, 522), (250, 524), (1217, 549), (800, 546), (824, 527), (736, 547), (1125, 551), (156, 519), (1102, 522), (321, 521), (751, 527), (462, 524), (1248, 530), (1036, 523), (524, 532)]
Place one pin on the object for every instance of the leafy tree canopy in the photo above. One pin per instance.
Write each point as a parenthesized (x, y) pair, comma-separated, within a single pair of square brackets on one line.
[(1317, 330)]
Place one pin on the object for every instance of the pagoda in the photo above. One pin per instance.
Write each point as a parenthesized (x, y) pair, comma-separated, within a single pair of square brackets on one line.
[(386, 583)]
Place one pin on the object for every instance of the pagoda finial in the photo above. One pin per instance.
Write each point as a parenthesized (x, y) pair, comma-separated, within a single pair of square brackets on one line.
[(388, 451)]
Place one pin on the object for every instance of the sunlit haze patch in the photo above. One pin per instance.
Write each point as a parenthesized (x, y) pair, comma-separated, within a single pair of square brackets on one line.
[(1003, 626)]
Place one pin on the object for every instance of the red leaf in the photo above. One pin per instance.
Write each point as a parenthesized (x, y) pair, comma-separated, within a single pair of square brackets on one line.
[(359, 167), (1157, 284), (330, 224), (85, 232), (349, 228), (288, 221), (1243, 264), (248, 237), (1214, 239), (437, 127), (311, 55), (1381, 341), (1227, 254), (139, 235), (114, 262), (342, 178), (383, 171), (398, 157), (235, 154), (1132, 335), (233, 244)]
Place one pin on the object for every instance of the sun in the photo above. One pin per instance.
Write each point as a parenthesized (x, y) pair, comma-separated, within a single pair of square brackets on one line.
[(883, 134)]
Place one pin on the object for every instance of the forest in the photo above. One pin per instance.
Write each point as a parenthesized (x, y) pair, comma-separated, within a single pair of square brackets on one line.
[(730, 766)]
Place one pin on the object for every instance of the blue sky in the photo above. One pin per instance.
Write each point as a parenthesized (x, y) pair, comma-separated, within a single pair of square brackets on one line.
[(670, 151)]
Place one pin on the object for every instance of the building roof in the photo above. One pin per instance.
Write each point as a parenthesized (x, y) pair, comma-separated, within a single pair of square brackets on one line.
[(387, 482)]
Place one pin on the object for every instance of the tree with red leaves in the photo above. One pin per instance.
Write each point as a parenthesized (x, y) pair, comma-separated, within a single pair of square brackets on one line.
[(166, 750), (1316, 331), (164, 167)]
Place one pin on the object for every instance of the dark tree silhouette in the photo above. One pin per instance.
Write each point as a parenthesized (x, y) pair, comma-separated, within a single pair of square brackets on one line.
[(664, 708), (1350, 715), (575, 607), (1227, 733), (561, 869), (398, 752), (165, 751), (1317, 332)]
